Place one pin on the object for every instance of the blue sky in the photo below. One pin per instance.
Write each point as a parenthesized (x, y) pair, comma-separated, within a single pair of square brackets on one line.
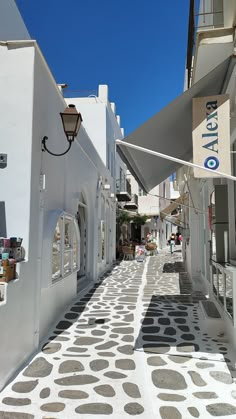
[(138, 48)]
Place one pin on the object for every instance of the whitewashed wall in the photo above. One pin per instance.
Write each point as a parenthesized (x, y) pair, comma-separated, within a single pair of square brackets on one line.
[(30, 103), (17, 317), (12, 26)]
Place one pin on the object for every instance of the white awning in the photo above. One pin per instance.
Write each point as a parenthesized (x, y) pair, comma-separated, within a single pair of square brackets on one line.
[(170, 131), (175, 220), (172, 206)]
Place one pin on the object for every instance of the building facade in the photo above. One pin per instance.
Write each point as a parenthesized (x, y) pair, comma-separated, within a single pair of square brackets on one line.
[(207, 197), (209, 237), (63, 207)]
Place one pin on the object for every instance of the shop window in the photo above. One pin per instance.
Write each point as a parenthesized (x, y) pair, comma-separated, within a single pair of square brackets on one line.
[(56, 250), (141, 192), (65, 249)]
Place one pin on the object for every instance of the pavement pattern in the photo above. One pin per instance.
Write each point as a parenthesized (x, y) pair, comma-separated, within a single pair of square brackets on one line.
[(133, 345)]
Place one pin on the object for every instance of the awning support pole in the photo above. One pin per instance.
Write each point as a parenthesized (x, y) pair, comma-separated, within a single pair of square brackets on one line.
[(175, 159)]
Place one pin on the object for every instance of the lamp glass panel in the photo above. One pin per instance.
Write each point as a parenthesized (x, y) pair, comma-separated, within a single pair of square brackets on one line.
[(70, 122)]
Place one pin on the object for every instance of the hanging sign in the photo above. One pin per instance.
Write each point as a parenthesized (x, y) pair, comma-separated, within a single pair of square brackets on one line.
[(140, 253), (211, 135)]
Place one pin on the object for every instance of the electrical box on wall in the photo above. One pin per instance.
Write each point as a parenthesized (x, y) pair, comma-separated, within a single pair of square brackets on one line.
[(3, 161)]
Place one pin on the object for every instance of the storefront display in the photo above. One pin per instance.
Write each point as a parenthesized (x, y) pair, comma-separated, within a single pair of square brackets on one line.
[(11, 252)]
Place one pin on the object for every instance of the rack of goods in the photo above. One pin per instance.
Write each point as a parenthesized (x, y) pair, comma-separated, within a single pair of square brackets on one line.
[(11, 252)]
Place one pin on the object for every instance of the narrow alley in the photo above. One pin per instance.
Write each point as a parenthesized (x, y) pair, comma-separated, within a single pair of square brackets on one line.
[(131, 346)]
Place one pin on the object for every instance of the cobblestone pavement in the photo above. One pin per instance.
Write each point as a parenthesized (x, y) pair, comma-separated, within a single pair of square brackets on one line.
[(134, 345)]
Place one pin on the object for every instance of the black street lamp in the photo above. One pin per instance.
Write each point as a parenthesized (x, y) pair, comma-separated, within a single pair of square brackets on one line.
[(71, 120)]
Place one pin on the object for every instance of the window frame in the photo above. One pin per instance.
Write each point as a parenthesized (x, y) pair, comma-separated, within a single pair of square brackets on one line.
[(62, 219)]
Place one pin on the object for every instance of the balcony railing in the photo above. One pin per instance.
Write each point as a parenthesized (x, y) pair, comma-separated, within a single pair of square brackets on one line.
[(133, 204), (123, 190), (211, 15)]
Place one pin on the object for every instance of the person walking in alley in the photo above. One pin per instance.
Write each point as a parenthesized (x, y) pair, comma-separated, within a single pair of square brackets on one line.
[(172, 242)]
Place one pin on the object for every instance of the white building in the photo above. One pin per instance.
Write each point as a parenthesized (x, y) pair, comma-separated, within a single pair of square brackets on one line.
[(60, 206), (209, 245)]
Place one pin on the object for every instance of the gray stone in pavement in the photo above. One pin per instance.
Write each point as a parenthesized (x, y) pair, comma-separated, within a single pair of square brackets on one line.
[(154, 338), (98, 332), (107, 345), (76, 380), (129, 318), (197, 379), (183, 328), (64, 324), (164, 321), (221, 376), (115, 375), (133, 409), (59, 338), (169, 412), (151, 329), (123, 330), (71, 316), (95, 409), (44, 393), (125, 364), (53, 407), (205, 395), (187, 336), (24, 386), (105, 390), (158, 348), (169, 379), (99, 364), (156, 361), (128, 299), (16, 401), (15, 415), (73, 394), (204, 365), (221, 409), (170, 331), (38, 368), (106, 354), (75, 349), (148, 320), (180, 321), (51, 348), (187, 347), (193, 411), (87, 341), (170, 397), (70, 366), (177, 314), (128, 338), (126, 349), (131, 390), (179, 359)]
